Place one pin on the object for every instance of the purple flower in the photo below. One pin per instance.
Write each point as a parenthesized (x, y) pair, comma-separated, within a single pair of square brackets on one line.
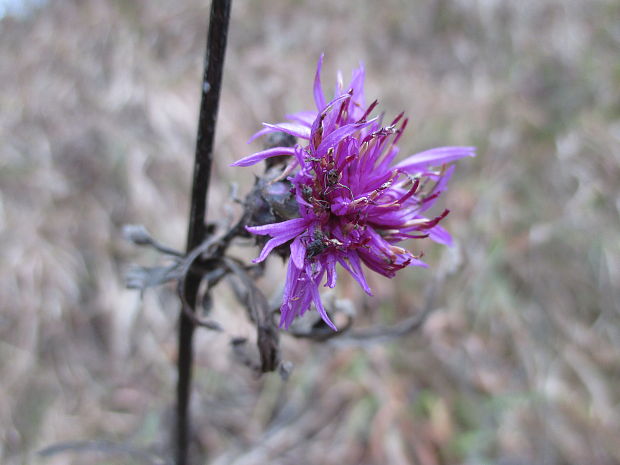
[(355, 205)]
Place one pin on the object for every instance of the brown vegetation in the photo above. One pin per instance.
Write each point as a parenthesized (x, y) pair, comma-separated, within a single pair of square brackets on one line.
[(519, 365)]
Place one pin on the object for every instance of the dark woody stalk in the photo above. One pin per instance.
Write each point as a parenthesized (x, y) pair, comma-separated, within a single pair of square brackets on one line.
[(197, 230)]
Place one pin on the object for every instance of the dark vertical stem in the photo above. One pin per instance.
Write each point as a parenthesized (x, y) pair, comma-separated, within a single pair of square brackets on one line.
[(211, 84)]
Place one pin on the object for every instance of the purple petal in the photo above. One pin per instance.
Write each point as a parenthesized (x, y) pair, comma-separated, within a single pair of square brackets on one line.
[(440, 235), (330, 266), (291, 293), (281, 232), (339, 83), (298, 252), (269, 246), (435, 157), (303, 117), (319, 99), (260, 156), (260, 133), (336, 136), (441, 186), (357, 85), (316, 298), (387, 159), (292, 276), (294, 129), (275, 229), (417, 262), (299, 154), (340, 205), (358, 272), (325, 119), (287, 315)]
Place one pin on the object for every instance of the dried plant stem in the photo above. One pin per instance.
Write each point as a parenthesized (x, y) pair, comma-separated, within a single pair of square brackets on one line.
[(212, 78)]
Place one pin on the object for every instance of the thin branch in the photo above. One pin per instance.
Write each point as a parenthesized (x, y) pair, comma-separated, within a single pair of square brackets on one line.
[(405, 327), (185, 276), (139, 235), (211, 84)]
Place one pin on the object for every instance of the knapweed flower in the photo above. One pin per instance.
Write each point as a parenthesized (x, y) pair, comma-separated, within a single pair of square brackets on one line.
[(355, 203)]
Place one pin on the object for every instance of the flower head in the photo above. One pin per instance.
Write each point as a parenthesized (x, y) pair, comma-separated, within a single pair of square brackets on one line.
[(355, 204)]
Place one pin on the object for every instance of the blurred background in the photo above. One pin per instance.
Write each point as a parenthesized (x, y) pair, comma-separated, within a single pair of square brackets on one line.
[(519, 364)]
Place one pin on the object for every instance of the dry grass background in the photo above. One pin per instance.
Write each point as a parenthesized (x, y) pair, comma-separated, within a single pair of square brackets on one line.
[(519, 365)]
